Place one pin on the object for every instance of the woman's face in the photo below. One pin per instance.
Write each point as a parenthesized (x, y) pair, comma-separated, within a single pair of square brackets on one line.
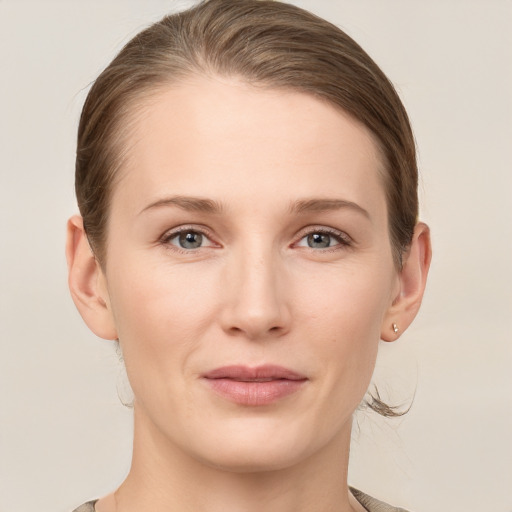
[(249, 272)]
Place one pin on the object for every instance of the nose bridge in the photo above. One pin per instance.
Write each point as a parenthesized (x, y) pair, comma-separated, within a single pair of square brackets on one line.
[(257, 300)]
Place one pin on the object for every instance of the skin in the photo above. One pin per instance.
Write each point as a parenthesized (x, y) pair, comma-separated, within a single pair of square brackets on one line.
[(278, 166)]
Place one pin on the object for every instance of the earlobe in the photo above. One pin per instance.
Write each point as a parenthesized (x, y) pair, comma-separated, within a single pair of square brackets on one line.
[(87, 282), (412, 280)]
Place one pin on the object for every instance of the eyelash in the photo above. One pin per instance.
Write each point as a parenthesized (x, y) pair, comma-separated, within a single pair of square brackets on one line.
[(344, 240), (170, 235)]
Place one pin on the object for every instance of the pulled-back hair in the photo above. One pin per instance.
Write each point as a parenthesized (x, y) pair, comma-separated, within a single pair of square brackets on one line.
[(265, 43)]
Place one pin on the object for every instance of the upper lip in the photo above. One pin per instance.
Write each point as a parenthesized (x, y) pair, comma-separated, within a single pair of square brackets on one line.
[(262, 373)]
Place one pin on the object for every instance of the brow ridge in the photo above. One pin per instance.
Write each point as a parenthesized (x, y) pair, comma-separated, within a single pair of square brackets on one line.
[(187, 203), (199, 204), (324, 205)]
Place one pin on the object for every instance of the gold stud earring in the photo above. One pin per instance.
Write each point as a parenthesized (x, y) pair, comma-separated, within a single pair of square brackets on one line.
[(395, 328)]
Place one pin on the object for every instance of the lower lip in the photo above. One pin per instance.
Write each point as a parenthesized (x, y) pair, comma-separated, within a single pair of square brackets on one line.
[(255, 393)]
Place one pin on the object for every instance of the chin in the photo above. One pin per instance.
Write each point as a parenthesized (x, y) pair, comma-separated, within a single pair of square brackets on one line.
[(258, 447), (247, 460)]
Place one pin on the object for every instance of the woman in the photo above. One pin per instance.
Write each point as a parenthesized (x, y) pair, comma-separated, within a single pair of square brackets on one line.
[(246, 179)]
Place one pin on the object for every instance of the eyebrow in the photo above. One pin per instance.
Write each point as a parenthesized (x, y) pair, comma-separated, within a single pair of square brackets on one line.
[(325, 205), (187, 203), (199, 204)]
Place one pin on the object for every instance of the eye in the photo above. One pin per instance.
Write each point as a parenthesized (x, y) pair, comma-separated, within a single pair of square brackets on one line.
[(187, 239), (324, 239), (319, 240)]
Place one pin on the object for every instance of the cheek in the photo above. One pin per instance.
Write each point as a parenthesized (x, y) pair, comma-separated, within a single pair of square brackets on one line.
[(345, 317), (350, 302), (148, 293), (161, 315)]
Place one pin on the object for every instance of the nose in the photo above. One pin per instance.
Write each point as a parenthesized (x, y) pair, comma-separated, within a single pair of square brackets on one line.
[(255, 296)]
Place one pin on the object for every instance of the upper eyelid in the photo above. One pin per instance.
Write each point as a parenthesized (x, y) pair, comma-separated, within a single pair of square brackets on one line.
[(323, 229), (171, 233)]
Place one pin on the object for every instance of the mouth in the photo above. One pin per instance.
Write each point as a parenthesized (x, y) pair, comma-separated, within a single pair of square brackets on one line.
[(262, 385)]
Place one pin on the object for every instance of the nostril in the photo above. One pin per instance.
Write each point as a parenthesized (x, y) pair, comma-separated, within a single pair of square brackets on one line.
[(253, 332)]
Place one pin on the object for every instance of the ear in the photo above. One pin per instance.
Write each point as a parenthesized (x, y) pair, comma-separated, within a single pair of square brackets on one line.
[(412, 280), (87, 282)]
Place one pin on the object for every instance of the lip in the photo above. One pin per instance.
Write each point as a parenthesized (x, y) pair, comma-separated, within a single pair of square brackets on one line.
[(261, 385)]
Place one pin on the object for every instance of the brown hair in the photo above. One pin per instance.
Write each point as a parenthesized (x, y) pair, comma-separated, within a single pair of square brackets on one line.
[(266, 43)]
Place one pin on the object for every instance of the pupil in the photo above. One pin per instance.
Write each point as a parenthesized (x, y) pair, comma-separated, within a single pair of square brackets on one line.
[(319, 240), (191, 240)]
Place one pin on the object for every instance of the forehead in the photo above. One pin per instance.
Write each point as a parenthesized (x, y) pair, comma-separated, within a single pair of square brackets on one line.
[(214, 136)]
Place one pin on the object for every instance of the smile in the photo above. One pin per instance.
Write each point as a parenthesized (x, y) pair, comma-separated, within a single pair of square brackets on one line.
[(258, 386)]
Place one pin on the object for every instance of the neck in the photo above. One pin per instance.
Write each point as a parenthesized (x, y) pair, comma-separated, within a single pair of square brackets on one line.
[(165, 478)]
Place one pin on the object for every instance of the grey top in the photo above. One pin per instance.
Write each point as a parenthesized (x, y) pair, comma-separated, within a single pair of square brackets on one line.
[(86, 507), (369, 503), (373, 505)]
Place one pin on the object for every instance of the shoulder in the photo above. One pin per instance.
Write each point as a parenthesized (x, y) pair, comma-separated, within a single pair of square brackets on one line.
[(373, 505), (86, 507)]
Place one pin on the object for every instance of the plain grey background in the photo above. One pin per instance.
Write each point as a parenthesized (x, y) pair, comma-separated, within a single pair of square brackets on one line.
[(65, 437)]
